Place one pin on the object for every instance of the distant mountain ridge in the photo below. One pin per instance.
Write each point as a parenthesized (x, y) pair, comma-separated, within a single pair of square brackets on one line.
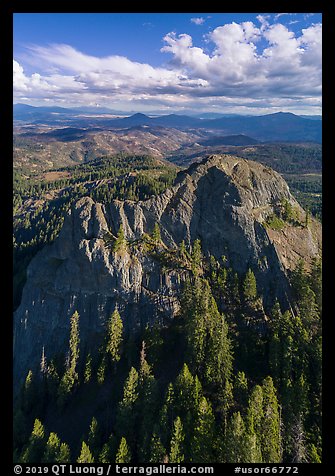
[(281, 126)]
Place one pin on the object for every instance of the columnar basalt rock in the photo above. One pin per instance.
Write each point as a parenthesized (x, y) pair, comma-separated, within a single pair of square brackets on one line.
[(224, 201)]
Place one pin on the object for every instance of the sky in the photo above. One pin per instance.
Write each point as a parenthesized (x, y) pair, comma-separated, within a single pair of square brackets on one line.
[(244, 63)]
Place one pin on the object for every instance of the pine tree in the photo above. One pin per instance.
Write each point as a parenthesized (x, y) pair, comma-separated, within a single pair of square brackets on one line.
[(219, 359), (88, 369), (115, 337), (196, 258), (313, 454), (94, 437), (241, 389), (157, 451), (156, 234), (249, 286), (184, 386), (29, 393), (177, 443), (127, 411), (120, 242), (254, 418), (33, 452), (52, 449), (167, 415), (64, 455), (74, 345), (147, 403), (108, 451), (234, 446), (70, 377), (270, 425), (123, 454), (101, 372), (316, 281), (85, 454), (202, 443)]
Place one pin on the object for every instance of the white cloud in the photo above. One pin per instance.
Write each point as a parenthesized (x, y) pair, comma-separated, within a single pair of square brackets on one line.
[(198, 21), (243, 63)]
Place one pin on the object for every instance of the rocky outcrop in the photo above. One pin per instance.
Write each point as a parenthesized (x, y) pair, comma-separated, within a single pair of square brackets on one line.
[(223, 201)]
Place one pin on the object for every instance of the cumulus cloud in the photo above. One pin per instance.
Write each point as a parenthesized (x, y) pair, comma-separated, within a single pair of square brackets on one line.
[(243, 63), (198, 21)]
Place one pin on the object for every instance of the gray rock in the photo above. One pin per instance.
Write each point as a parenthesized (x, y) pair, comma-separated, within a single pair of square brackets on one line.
[(223, 201)]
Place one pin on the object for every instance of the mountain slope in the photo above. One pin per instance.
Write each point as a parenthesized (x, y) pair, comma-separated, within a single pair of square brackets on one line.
[(270, 127), (224, 201)]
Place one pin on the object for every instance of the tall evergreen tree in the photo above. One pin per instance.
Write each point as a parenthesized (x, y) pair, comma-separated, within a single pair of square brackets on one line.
[(88, 368), (115, 336), (128, 411), (234, 446), (123, 454), (35, 448), (156, 234), (94, 438), (203, 441), (177, 443), (70, 377), (270, 425), (249, 286), (120, 242), (196, 258), (64, 455), (85, 454), (52, 449), (157, 451), (148, 396), (167, 415)]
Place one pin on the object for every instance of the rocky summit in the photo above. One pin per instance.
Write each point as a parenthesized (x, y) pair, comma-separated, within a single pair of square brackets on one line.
[(225, 201)]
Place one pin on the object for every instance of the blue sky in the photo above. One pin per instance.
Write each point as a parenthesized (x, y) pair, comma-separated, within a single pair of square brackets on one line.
[(216, 62)]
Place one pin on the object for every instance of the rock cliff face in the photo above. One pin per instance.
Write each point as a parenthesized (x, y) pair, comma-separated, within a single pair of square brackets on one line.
[(223, 201)]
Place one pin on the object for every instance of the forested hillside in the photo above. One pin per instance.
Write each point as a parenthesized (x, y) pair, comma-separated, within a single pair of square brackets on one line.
[(229, 378), (225, 382), (41, 201)]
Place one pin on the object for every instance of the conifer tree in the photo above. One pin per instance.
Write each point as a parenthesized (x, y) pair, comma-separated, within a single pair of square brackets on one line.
[(270, 425), (127, 410), (167, 415), (94, 437), (183, 252), (219, 358), (74, 345), (241, 389), (88, 368), (108, 451), (85, 454), (120, 242), (157, 451), (29, 392), (101, 372), (234, 446), (177, 443), (249, 286), (70, 376), (33, 452), (115, 338), (123, 454), (196, 258), (64, 455), (255, 415), (156, 234), (147, 403), (52, 449), (184, 387), (316, 281), (202, 443)]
